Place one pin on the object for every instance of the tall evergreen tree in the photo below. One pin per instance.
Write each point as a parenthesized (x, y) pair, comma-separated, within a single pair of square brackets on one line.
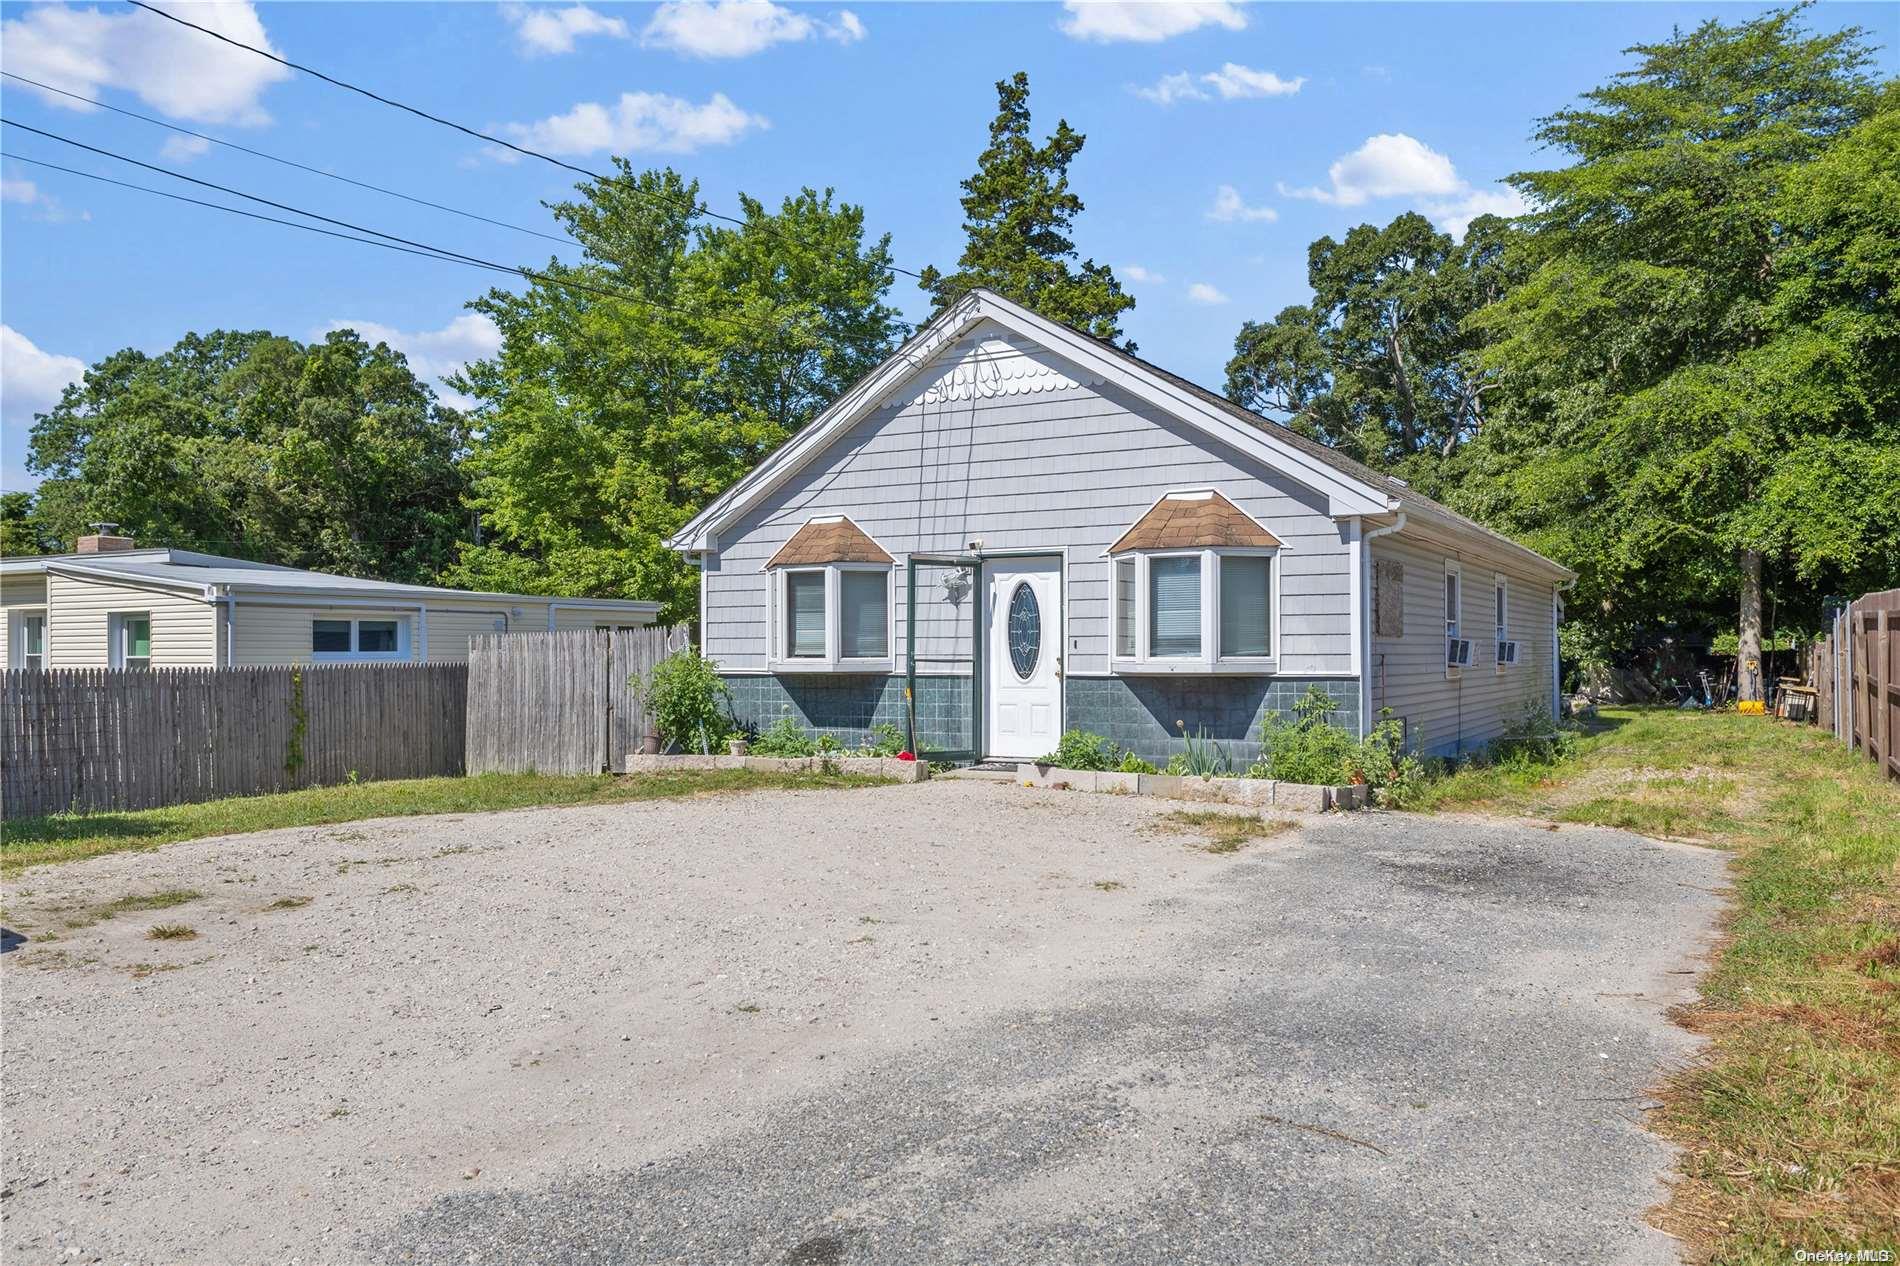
[(1018, 211)]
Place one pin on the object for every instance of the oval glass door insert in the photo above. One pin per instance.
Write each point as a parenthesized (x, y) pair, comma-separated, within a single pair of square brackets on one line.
[(1025, 630)]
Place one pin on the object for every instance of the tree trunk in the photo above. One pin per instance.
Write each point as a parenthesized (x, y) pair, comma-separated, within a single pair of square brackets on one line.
[(1749, 670)]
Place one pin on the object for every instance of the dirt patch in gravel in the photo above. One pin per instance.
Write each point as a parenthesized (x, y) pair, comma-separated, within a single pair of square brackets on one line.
[(373, 1015)]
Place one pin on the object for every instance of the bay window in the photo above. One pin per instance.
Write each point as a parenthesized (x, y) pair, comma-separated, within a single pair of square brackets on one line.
[(1202, 610), (836, 617)]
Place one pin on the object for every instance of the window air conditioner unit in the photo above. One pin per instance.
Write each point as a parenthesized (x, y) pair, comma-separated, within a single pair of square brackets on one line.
[(1507, 653), (1457, 652)]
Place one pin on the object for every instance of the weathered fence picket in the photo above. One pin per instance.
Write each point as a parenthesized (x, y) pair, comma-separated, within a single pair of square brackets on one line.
[(1856, 674), (93, 739), (559, 703)]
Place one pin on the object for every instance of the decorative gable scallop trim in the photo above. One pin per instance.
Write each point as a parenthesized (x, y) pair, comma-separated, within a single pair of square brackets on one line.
[(989, 366)]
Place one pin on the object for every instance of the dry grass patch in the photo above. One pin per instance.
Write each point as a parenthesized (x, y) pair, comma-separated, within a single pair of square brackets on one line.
[(1788, 1123), (164, 899), (288, 903), (171, 932), (1223, 832)]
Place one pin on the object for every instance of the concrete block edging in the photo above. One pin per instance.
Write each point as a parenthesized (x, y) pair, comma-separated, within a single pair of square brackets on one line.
[(1258, 793), (876, 766)]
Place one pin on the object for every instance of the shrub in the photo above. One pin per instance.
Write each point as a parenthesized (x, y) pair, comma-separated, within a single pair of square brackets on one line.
[(689, 703), (1081, 750), (886, 740), (785, 738), (1536, 739), (1133, 764), (1381, 762), (1308, 749)]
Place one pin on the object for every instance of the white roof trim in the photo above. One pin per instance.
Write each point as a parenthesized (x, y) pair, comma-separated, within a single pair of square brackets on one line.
[(385, 593), (1346, 494)]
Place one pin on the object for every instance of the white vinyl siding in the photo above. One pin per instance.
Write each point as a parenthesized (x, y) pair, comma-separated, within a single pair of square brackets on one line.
[(1064, 470), (270, 634)]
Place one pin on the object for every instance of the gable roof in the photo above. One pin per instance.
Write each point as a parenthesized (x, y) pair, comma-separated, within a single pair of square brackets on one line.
[(1194, 520), (1351, 488), (830, 539)]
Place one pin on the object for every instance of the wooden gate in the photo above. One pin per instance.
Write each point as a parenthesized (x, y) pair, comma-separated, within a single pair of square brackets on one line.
[(559, 703)]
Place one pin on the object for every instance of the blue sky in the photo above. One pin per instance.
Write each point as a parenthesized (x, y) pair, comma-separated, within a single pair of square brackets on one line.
[(1222, 140)]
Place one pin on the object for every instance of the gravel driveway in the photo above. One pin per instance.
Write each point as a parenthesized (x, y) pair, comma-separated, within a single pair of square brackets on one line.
[(957, 1022)]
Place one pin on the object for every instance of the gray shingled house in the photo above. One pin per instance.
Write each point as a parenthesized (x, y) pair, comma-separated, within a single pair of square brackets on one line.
[(1010, 528)]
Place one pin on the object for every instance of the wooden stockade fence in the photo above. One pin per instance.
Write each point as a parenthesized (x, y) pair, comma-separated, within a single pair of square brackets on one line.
[(1856, 674), (97, 739), (559, 703)]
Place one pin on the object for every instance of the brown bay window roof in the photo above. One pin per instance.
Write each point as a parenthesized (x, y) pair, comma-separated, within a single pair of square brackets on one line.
[(834, 539), (1194, 520)]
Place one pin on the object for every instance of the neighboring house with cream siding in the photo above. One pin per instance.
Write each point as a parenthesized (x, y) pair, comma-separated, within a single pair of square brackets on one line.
[(1145, 558), (113, 605)]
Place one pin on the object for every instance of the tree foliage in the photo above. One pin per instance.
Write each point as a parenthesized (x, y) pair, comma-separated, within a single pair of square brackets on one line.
[(1018, 212), (1381, 363), (637, 384), (329, 455)]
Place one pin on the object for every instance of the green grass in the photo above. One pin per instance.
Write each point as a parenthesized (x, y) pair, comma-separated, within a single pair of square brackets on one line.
[(1790, 1123), (172, 932), (71, 837)]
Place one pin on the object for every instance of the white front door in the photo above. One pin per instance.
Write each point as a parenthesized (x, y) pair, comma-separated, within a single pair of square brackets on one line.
[(1023, 613)]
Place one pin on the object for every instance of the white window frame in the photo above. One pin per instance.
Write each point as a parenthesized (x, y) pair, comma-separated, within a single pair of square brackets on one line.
[(1454, 614), (779, 658), (16, 637), (354, 656), (1210, 660), (1501, 613), (117, 648)]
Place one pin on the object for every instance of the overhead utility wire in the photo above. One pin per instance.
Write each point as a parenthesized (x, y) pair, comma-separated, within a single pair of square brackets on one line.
[(288, 162), (699, 208), (391, 242)]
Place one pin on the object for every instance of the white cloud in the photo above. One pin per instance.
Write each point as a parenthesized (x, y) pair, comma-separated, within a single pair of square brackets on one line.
[(22, 191), (1201, 292), (1116, 21), (175, 70), (434, 354), (1235, 82), (545, 31), (1230, 207), (639, 121), (1232, 82), (182, 149), (740, 28), (30, 379), (1135, 272), (1389, 165), (1394, 165), (43, 206), (1456, 216)]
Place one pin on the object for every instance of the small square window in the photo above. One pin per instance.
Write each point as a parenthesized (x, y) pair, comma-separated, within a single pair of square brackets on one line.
[(376, 637)]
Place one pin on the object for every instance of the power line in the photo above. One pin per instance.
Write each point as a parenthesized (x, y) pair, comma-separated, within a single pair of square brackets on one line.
[(258, 153), (699, 208), (390, 241)]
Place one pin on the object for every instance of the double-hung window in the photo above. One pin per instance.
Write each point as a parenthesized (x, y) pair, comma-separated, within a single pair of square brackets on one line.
[(831, 601), (1501, 602), (1195, 588), (130, 639), (340, 639), (1457, 647)]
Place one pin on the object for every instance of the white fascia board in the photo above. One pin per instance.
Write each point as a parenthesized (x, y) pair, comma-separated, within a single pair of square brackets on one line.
[(136, 580), (1347, 495), (1423, 521)]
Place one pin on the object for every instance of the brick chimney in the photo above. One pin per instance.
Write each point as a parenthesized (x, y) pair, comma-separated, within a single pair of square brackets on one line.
[(104, 539)]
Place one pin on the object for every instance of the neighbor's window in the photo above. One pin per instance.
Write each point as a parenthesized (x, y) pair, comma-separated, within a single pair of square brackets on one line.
[(33, 641), (131, 639), (837, 614), (1457, 649), (336, 639), (1174, 607)]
